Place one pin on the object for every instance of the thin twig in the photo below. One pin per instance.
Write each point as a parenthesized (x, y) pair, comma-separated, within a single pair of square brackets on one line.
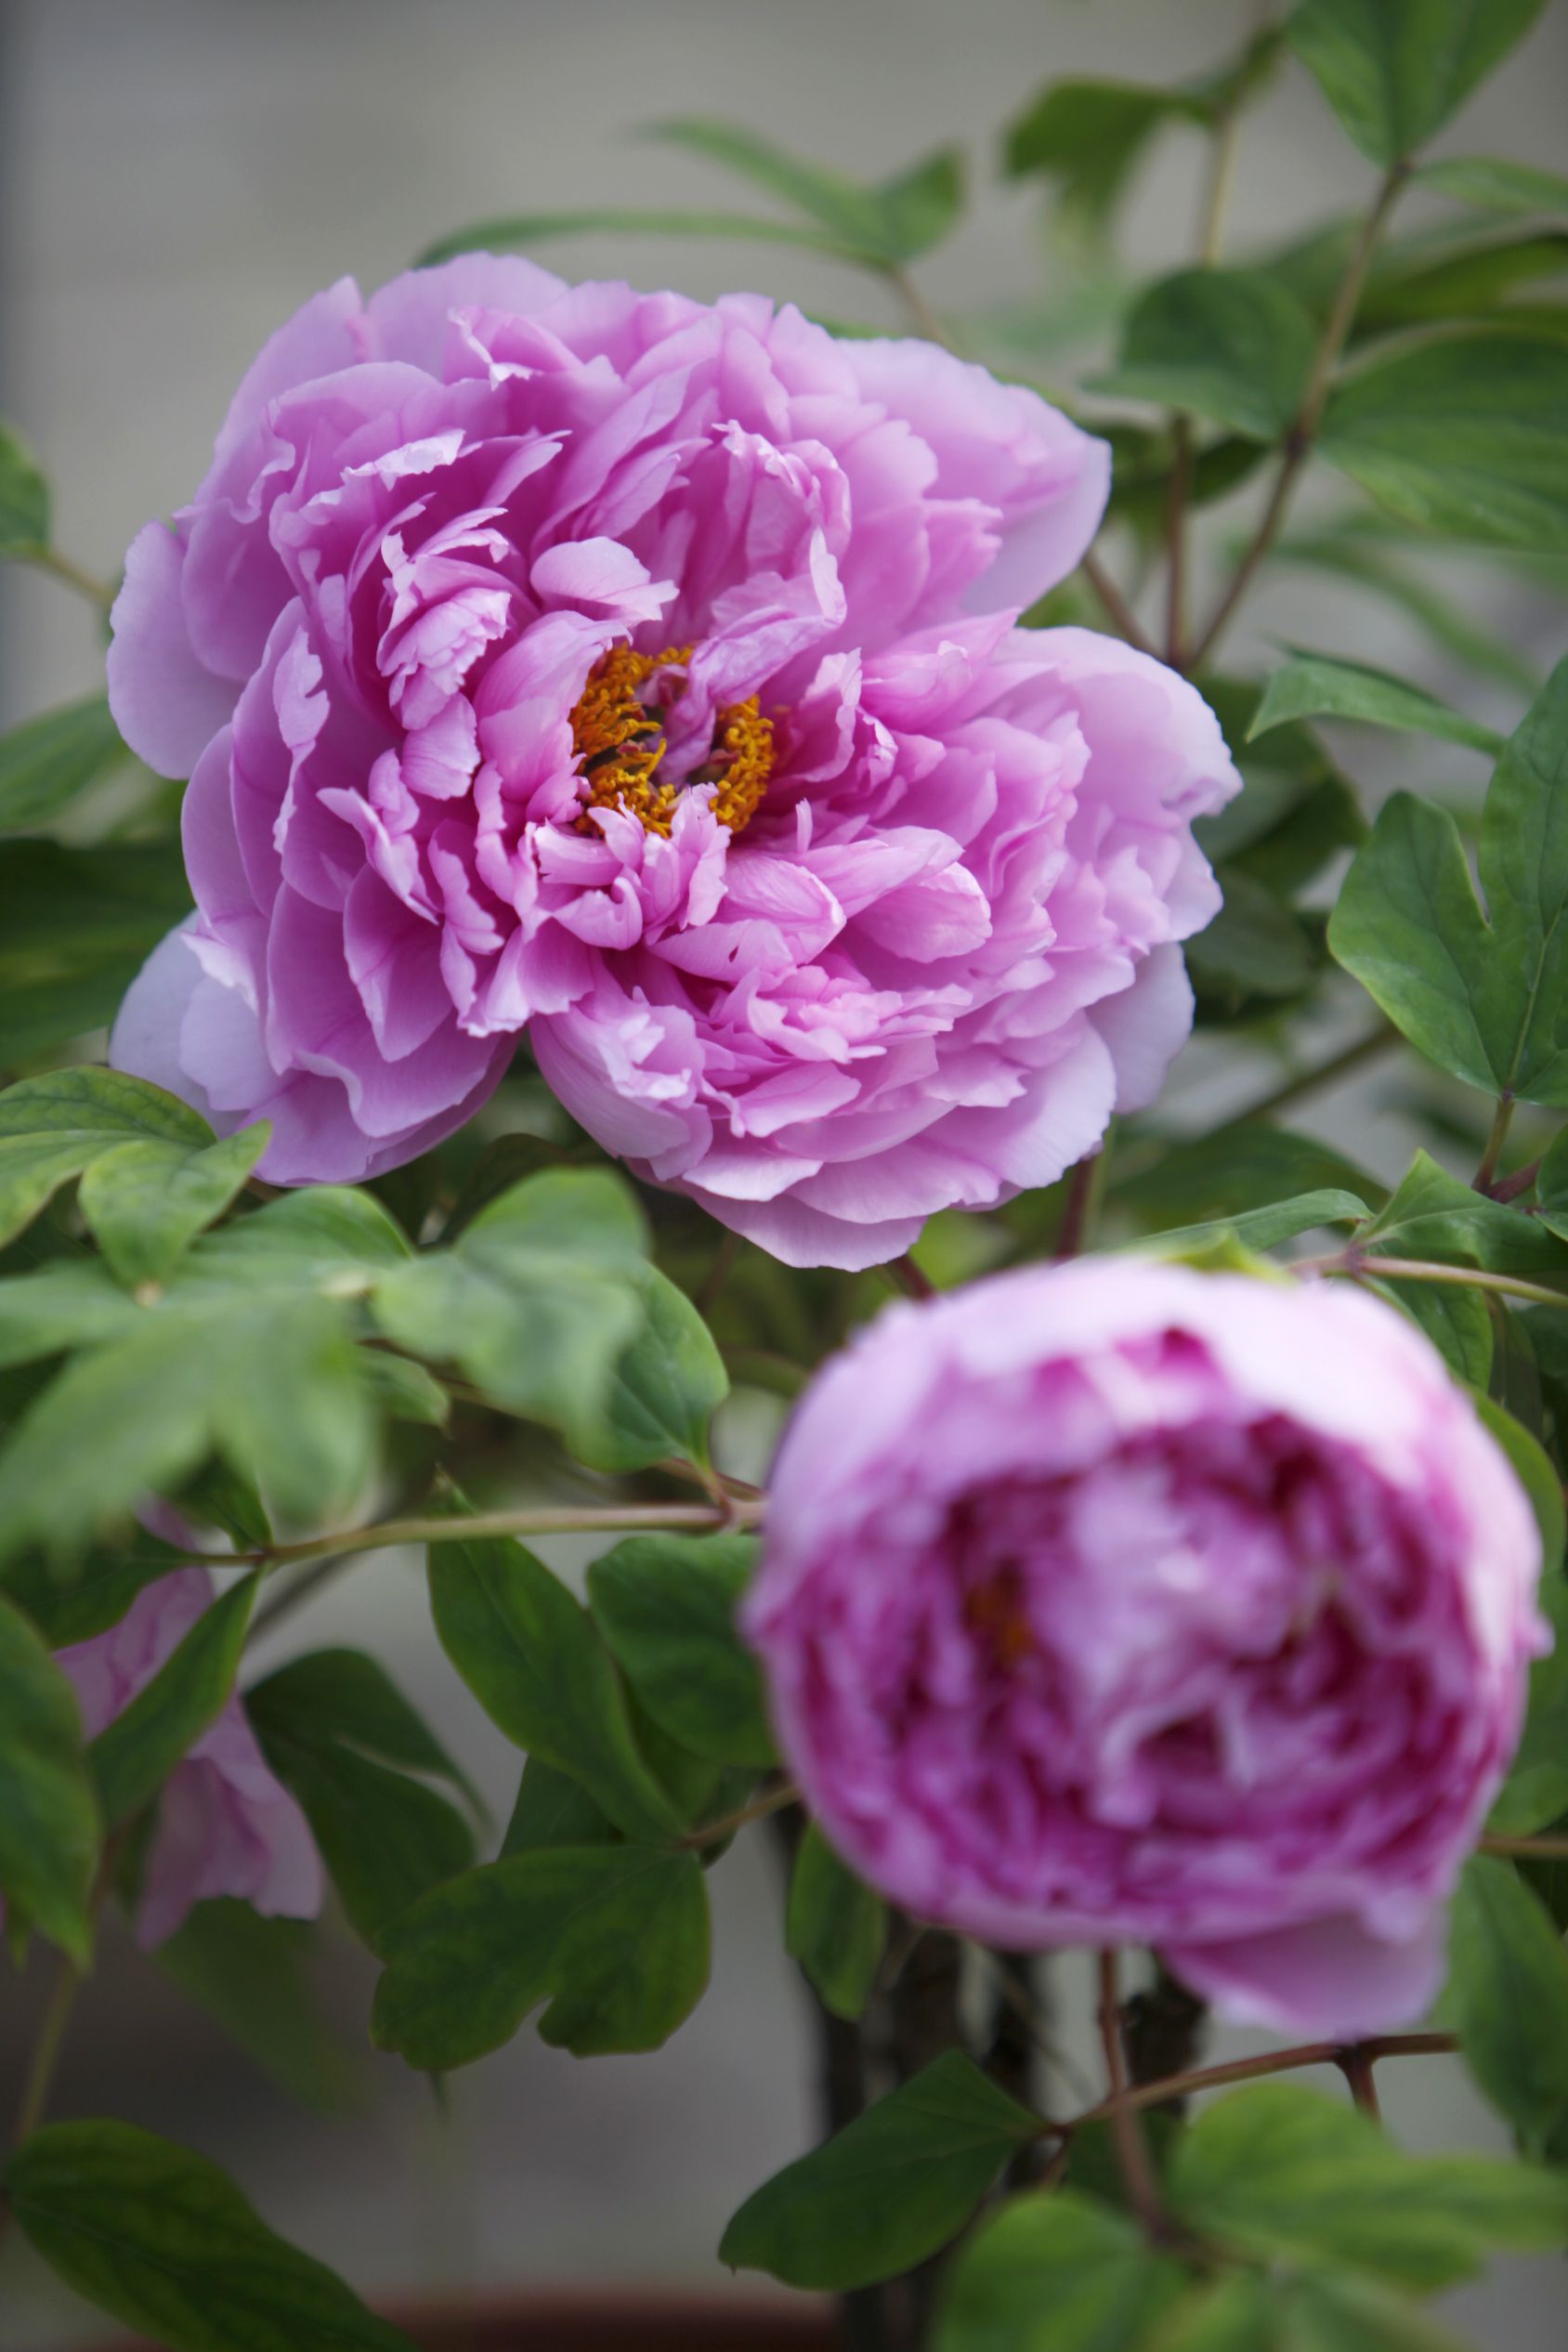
[(1176, 542), (1118, 612), (904, 1274), (1132, 2152), (1497, 1135), (303, 1586), (1076, 1228), (1249, 2070), (1527, 1849), (49, 559), (1309, 415), (1328, 1073), (1355, 2065), (542, 1519), (1363, 1263), (927, 320), (773, 1800)]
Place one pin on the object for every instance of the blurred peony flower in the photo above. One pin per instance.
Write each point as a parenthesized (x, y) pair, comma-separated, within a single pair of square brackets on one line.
[(642, 674), (225, 1826), (1118, 1603)]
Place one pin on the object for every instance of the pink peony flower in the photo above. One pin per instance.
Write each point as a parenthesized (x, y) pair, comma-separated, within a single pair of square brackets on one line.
[(1117, 1602), (641, 675), (225, 1826)]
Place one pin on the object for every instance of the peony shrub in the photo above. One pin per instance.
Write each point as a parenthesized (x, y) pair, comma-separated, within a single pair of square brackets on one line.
[(662, 824)]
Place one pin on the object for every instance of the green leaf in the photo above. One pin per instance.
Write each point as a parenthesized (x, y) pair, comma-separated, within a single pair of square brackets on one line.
[(1552, 1187), (1255, 946), (48, 1812), (887, 225), (537, 1300), (1228, 1173), (24, 496), (1057, 2273), (1261, 1228), (1496, 184), (147, 1202), (1394, 71), (1449, 623), (48, 761), (1419, 287), (1234, 345), (553, 1809), (345, 1742), (1535, 1796), (887, 2192), (1409, 927), (513, 232), (1508, 1994), (1288, 2173), (615, 1936), (1432, 1214), (1320, 685), (54, 1128), (664, 1392), (134, 1755), (1089, 135), (1462, 434), (836, 1927), (251, 1974), (164, 2241), (76, 926), (1457, 1322), (530, 1655), (73, 1599), (1533, 1468), (665, 1605), (1247, 2312), (68, 1304)]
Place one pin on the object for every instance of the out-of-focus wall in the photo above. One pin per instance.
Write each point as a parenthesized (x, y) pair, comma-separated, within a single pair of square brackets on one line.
[(176, 176)]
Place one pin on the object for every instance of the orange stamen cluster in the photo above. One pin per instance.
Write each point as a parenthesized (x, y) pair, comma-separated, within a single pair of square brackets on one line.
[(995, 1609), (619, 743)]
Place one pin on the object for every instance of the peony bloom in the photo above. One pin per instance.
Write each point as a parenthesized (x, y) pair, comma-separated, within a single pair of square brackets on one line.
[(1117, 1602), (225, 1826), (642, 675)]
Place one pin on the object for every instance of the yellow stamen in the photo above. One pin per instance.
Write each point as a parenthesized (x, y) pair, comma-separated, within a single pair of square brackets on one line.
[(619, 743)]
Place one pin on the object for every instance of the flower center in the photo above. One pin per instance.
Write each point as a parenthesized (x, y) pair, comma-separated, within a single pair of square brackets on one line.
[(994, 1610), (618, 736)]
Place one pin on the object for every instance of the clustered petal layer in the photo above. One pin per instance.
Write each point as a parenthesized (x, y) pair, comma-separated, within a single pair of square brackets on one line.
[(933, 951), (1118, 1603), (224, 1825)]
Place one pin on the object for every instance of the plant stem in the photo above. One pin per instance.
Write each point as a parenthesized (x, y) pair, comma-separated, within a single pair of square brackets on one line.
[(1497, 1137), (773, 1801), (1355, 2065), (1117, 610), (904, 1274), (304, 1587), (1339, 1065), (1249, 2070), (98, 591), (46, 2051), (1132, 2151), (1309, 415), (927, 320), (740, 1512), (1355, 1262), (1077, 1229), (1527, 1849), (1176, 542)]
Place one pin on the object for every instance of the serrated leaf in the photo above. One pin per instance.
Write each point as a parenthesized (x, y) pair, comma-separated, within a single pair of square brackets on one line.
[(890, 2190), (1234, 345), (1461, 434), (24, 496), (835, 1926), (1507, 1994), (615, 1936), (1056, 2274), (49, 1827), (1285, 2173), (1320, 685), (530, 1655), (164, 2241), (1394, 71), (46, 760), (134, 1755), (665, 1605)]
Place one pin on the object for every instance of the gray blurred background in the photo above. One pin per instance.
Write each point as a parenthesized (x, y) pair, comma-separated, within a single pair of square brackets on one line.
[(178, 175)]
